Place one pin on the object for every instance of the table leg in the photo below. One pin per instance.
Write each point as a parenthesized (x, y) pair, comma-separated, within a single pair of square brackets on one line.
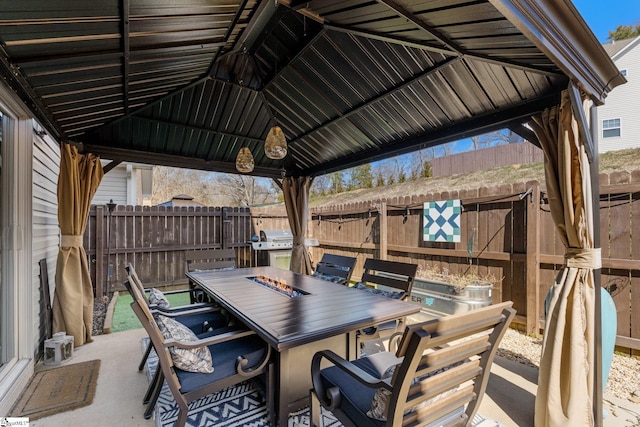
[(294, 372)]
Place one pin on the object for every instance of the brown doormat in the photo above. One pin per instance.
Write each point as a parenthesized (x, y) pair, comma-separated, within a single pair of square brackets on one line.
[(58, 390)]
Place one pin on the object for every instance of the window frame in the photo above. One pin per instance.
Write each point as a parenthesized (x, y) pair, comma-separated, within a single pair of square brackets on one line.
[(610, 125)]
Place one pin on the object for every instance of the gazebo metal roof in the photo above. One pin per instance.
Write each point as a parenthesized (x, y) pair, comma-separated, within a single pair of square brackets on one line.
[(187, 83)]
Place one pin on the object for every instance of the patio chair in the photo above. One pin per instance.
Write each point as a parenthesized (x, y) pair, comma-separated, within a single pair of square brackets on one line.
[(233, 357), (437, 377), (335, 268), (208, 259), (392, 279), (199, 317)]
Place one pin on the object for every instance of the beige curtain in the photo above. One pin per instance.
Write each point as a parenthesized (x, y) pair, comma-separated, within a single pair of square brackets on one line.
[(296, 200), (565, 381), (78, 181)]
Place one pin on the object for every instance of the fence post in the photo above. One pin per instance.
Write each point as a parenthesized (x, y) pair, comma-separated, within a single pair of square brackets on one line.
[(533, 261), (226, 229), (383, 229), (99, 242)]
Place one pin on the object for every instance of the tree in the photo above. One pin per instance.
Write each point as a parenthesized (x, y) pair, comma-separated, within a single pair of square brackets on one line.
[(246, 190), (490, 139), (623, 32), (362, 177), (337, 182), (169, 182), (427, 172), (320, 186)]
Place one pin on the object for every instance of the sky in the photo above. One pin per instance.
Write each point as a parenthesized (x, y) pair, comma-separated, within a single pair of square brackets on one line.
[(603, 16)]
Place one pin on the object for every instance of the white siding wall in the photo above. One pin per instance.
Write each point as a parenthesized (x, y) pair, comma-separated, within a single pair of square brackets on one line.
[(46, 168), (113, 186), (623, 103)]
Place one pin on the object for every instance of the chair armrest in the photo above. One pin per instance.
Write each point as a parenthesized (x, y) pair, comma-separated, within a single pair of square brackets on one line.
[(200, 310), (177, 291), (330, 398), (188, 307), (206, 342)]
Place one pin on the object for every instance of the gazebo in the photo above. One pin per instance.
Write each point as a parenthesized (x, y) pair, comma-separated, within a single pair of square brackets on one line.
[(195, 84)]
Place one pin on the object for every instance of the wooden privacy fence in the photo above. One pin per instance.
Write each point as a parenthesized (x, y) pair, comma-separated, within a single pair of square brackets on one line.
[(155, 239), (507, 235)]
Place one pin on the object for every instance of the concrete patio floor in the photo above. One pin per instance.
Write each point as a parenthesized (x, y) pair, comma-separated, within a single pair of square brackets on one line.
[(509, 398)]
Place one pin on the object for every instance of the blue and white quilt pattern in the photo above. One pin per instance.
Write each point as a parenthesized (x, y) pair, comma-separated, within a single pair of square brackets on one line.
[(442, 221)]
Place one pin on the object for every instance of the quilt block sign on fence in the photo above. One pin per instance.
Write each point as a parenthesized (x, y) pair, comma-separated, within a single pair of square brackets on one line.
[(442, 221)]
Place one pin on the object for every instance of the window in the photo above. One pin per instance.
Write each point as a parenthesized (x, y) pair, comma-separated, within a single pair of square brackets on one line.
[(610, 128)]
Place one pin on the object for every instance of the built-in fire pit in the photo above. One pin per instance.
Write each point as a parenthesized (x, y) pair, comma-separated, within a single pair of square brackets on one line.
[(278, 285)]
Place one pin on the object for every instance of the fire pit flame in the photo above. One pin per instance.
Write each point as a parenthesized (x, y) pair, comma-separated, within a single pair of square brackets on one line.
[(279, 285)]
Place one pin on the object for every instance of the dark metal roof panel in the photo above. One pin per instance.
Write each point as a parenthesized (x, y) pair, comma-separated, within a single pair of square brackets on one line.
[(188, 83)]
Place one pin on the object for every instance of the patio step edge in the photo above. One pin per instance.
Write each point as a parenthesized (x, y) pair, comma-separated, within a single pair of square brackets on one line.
[(108, 320)]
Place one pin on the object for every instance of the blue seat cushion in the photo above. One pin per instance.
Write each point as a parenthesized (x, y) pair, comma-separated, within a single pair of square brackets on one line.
[(388, 294), (356, 397), (330, 278), (224, 362), (201, 322)]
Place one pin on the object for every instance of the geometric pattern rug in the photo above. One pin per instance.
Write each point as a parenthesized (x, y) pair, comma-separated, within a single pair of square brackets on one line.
[(239, 405)]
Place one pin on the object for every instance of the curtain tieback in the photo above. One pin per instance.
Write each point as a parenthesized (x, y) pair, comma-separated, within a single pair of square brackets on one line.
[(297, 241), (583, 258), (71, 241)]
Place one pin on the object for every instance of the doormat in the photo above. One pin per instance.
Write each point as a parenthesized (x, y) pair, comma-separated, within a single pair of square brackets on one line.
[(58, 390)]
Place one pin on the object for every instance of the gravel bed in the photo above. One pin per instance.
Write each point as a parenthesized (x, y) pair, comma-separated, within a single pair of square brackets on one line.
[(624, 376), (100, 306)]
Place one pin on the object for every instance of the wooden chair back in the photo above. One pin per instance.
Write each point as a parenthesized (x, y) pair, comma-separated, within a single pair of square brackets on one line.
[(135, 282), (440, 379), (448, 357), (210, 259), (394, 274), (336, 266)]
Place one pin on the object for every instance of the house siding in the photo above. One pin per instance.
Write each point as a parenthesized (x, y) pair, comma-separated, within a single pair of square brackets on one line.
[(112, 187), (623, 102), (46, 232)]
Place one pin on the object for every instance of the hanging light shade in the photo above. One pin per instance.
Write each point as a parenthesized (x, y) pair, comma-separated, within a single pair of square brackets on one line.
[(275, 146), (244, 161)]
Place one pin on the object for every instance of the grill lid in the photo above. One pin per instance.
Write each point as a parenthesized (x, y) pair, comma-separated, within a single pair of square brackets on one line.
[(275, 235), (273, 239)]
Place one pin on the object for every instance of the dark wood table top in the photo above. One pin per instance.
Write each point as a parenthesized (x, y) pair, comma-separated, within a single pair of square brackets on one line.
[(327, 309)]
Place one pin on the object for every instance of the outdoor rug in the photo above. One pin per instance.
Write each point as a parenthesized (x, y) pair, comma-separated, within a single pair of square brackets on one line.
[(240, 405), (59, 389)]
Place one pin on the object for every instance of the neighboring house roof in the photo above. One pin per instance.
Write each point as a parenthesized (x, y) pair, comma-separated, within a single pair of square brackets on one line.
[(615, 48), (181, 200)]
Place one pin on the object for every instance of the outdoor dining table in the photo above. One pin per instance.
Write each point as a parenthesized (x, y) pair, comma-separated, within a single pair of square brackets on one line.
[(321, 315)]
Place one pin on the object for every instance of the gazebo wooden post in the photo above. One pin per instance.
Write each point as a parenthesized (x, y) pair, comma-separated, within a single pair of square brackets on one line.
[(533, 261)]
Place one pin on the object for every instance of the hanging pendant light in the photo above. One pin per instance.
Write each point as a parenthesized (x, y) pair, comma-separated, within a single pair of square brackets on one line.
[(275, 146), (244, 161)]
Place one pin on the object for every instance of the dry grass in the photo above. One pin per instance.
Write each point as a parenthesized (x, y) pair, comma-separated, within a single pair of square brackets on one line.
[(622, 160)]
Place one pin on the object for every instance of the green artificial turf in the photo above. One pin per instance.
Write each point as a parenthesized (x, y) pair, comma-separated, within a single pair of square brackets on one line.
[(124, 318)]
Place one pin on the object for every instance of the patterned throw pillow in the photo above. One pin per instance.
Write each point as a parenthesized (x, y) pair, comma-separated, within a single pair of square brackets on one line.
[(380, 402), (156, 297), (192, 360), (388, 294), (329, 278)]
